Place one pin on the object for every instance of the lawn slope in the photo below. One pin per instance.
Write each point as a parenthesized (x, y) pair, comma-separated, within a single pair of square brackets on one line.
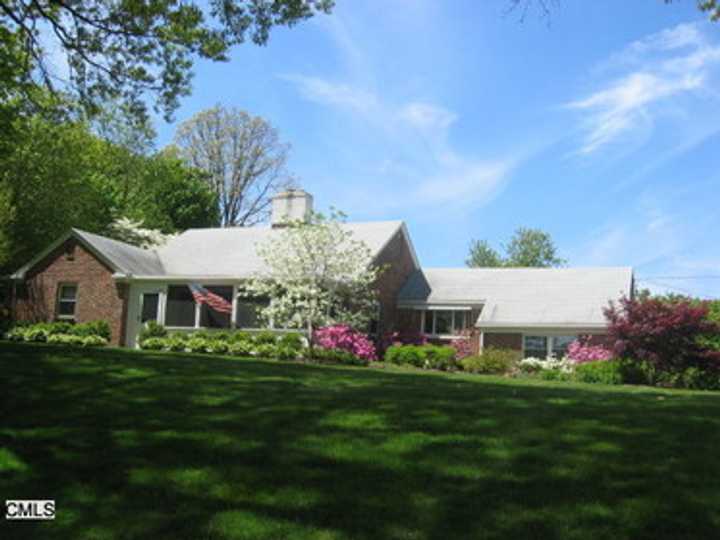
[(137, 445)]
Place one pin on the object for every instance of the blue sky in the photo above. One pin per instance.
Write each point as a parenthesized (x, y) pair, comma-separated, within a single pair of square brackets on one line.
[(600, 126)]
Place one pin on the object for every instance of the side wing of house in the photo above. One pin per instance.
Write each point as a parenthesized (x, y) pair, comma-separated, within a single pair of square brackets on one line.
[(71, 281), (399, 262)]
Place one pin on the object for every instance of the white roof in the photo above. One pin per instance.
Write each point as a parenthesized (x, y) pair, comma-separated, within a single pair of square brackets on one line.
[(231, 251), (522, 297)]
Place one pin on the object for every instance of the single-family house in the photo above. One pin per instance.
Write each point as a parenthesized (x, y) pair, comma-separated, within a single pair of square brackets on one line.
[(83, 276)]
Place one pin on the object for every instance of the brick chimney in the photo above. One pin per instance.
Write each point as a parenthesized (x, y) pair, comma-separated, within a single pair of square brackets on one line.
[(291, 205)]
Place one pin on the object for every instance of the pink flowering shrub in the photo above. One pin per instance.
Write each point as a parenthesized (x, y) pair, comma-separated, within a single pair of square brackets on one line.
[(344, 337), (582, 351), (463, 346)]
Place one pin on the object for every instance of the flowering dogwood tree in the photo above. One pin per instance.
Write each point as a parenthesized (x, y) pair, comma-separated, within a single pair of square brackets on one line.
[(133, 232), (316, 275)]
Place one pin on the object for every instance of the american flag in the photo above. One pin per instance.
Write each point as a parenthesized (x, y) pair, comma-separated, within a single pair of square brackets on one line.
[(202, 296)]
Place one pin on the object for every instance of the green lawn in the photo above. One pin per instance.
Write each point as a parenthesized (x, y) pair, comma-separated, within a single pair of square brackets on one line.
[(137, 445)]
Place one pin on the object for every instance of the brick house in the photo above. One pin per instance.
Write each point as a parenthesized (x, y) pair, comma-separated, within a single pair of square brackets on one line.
[(83, 277)]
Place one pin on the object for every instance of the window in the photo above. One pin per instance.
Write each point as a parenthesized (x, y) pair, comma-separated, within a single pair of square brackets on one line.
[(248, 312), (535, 346), (180, 307), (545, 346), (209, 318), (67, 300), (445, 322), (150, 304)]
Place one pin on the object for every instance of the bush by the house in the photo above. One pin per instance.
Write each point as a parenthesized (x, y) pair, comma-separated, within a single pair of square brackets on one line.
[(95, 333), (599, 371), (346, 338), (292, 341), (668, 335), (241, 348), (336, 356), (491, 361), (583, 350), (264, 338), (151, 329), (422, 356)]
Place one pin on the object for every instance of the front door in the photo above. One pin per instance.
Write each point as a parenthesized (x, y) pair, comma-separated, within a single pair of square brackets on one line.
[(146, 304)]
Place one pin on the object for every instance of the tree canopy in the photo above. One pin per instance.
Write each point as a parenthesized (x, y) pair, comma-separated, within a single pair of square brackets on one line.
[(527, 248), (243, 160), (129, 50)]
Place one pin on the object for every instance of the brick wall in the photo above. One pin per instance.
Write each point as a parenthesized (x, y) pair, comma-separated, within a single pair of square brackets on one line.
[(398, 260), (98, 296)]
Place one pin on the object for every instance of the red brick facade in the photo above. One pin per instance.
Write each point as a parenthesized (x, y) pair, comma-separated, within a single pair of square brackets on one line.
[(99, 297), (398, 261)]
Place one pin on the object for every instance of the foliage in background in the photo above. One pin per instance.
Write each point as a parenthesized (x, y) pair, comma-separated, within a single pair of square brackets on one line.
[(422, 356), (242, 159), (54, 176), (129, 51), (527, 248), (317, 274), (346, 338)]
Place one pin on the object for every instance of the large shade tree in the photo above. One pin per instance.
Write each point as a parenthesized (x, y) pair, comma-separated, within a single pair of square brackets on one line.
[(132, 49), (243, 160), (317, 274)]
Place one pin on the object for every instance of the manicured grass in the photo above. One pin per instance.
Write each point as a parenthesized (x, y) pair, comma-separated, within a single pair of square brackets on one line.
[(137, 445)]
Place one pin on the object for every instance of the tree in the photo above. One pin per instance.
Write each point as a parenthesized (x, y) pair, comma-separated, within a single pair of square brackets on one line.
[(128, 50), (482, 255), (712, 7), (527, 248), (242, 157), (57, 175), (317, 275)]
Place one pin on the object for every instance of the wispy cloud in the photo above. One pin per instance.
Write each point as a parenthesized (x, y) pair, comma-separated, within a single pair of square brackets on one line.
[(657, 69), (417, 133)]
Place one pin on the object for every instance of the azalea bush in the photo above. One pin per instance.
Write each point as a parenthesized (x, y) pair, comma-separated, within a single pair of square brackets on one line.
[(582, 350), (463, 346), (667, 335), (440, 357), (345, 338), (490, 361)]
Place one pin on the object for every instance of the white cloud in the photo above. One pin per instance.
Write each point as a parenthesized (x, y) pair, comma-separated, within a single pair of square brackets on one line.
[(634, 99), (415, 133), (326, 92)]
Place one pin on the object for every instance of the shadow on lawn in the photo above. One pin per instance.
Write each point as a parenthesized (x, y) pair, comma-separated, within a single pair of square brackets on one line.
[(161, 446)]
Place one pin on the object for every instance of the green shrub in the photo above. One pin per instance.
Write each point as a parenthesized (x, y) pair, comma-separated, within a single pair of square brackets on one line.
[(151, 329), (264, 350), (201, 334), (265, 338), (176, 342), (16, 334), (197, 344), (241, 348), (217, 346), (634, 372), (600, 372), (153, 343), (240, 336), (283, 352), (94, 341), (698, 379), (293, 341), (336, 356), (221, 336), (491, 361), (35, 333), (440, 357), (92, 328), (555, 375), (412, 355)]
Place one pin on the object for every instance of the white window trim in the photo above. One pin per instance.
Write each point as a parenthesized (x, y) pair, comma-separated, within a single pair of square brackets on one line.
[(434, 334), (66, 301), (550, 339)]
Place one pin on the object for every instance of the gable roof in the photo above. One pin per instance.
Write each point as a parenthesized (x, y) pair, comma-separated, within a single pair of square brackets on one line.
[(210, 253), (122, 258), (522, 297), (232, 251)]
